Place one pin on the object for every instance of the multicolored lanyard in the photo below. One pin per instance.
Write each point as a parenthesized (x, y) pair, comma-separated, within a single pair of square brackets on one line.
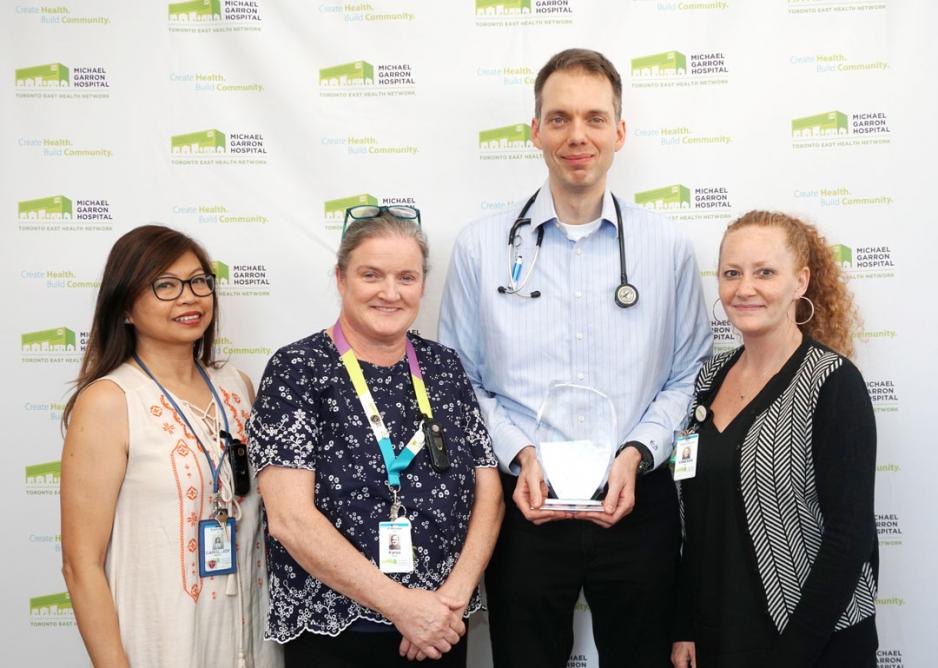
[(395, 465), (215, 469)]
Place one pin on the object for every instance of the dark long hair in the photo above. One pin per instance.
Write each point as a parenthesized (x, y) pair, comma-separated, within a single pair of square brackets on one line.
[(135, 261)]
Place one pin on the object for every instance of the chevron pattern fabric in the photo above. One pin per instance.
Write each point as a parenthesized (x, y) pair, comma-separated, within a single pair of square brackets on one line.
[(776, 478)]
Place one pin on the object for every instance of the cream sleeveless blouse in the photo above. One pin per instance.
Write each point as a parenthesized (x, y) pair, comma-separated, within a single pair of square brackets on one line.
[(168, 614)]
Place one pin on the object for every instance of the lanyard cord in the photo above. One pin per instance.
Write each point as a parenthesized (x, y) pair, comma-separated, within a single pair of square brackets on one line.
[(216, 470), (395, 465)]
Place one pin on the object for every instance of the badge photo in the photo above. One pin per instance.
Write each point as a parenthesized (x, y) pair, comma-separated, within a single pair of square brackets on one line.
[(217, 548), (685, 456), (395, 548)]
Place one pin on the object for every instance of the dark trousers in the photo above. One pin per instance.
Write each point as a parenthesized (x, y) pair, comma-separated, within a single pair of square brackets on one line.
[(354, 649), (627, 574)]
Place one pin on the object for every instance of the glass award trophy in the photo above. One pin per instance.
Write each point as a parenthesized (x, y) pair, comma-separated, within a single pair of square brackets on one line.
[(576, 442)]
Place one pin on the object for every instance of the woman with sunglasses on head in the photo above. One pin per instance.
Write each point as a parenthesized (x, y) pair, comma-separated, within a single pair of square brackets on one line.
[(161, 539), (780, 559), (379, 483)]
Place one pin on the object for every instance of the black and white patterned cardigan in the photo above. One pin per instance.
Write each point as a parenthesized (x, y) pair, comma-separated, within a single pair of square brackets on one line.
[(777, 485)]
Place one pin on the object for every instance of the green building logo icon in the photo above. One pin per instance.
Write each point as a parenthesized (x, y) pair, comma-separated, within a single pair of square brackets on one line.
[(334, 209), (206, 141), (830, 123), (659, 64), (53, 74), (669, 197), (843, 255), (508, 137), (358, 73), (44, 474), (220, 269), (49, 340), (195, 10), (57, 207), (499, 7), (53, 604)]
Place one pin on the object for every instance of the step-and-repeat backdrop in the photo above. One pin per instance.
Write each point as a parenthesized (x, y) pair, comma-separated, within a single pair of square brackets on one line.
[(253, 124)]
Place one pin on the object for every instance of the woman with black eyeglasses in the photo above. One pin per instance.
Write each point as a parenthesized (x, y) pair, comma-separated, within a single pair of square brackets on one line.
[(377, 472), (161, 539)]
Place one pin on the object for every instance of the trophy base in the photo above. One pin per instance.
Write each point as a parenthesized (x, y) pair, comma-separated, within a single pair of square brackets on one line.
[(573, 505)]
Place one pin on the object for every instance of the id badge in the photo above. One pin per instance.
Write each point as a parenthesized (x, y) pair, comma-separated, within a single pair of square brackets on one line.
[(395, 549), (685, 456), (217, 548)]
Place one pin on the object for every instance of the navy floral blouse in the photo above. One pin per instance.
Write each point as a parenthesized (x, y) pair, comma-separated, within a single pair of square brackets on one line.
[(307, 416)]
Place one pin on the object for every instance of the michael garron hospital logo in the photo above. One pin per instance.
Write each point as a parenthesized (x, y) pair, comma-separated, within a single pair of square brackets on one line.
[(678, 69), (682, 202), (508, 142), (522, 13), (362, 78), (215, 147), (60, 213), (215, 16), (59, 81), (837, 128), (53, 346), (51, 610)]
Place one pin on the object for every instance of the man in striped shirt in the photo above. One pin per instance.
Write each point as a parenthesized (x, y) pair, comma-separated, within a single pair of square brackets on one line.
[(564, 320)]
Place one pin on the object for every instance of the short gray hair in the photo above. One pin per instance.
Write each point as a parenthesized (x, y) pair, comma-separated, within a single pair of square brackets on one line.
[(383, 225)]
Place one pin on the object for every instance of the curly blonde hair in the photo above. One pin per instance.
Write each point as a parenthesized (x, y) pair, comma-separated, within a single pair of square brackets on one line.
[(835, 315)]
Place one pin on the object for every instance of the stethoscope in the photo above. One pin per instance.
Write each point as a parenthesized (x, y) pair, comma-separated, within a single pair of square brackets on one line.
[(626, 294)]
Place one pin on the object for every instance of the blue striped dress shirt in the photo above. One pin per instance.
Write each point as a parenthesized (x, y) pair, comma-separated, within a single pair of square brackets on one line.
[(644, 358)]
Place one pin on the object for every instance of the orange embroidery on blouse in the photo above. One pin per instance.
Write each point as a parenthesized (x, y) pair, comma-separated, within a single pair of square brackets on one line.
[(191, 495), (227, 399)]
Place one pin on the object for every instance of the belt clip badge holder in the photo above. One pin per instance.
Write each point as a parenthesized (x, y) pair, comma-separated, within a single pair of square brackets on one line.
[(217, 547)]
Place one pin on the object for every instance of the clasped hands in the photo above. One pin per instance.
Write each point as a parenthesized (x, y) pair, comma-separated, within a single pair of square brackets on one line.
[(431, 622), (531, 490)]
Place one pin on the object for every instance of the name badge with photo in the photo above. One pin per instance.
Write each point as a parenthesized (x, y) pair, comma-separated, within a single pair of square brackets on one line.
[(217, 548), (685, 456), (395, 549)]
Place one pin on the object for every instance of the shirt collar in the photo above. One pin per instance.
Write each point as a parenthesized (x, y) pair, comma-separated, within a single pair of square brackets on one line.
[(543, 211)]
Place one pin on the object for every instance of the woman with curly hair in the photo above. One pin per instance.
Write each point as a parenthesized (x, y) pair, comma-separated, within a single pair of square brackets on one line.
[(780, 558)]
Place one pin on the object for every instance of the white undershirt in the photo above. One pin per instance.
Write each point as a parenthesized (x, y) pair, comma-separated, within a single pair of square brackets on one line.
[(577, 232)]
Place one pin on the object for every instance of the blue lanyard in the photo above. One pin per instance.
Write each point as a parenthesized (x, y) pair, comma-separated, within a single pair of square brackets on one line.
[(216, 470)]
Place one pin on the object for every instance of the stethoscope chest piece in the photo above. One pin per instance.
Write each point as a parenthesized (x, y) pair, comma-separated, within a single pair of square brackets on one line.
[(626, 295)]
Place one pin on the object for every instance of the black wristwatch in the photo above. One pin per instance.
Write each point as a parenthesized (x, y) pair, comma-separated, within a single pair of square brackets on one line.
[(647, 462)]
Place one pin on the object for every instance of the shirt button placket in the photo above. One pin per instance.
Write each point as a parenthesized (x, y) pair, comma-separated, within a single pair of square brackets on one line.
[(580, 267)]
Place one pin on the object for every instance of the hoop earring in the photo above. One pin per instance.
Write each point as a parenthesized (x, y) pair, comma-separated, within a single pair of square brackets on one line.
[(810, 317)]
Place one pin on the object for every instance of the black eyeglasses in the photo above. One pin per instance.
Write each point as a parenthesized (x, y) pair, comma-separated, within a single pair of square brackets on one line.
[(168, 288), (369, 211)]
